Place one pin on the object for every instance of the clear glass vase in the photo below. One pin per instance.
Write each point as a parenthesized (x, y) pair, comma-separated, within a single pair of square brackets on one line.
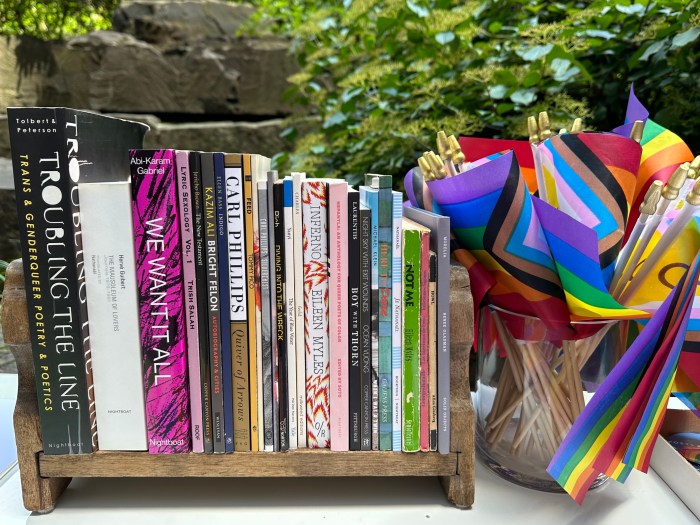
[(532, 384)]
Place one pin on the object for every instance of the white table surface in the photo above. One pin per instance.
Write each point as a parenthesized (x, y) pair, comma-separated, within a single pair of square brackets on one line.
[(643, 499)]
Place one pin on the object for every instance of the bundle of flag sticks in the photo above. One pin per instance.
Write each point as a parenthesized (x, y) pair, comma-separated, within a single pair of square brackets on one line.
[(578, 230)]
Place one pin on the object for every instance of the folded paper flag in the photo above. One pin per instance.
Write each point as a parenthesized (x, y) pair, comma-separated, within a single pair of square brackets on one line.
[(591, 177), (492, 217), (662, 152), (618, 427)]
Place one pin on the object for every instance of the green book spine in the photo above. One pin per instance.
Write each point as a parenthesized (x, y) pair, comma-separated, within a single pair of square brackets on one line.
[(411, 337)]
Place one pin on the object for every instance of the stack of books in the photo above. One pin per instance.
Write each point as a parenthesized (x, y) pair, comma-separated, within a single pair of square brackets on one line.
[(184, 301)]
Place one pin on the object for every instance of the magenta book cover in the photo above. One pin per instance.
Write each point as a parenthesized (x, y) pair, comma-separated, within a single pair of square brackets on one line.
[(161, 299)]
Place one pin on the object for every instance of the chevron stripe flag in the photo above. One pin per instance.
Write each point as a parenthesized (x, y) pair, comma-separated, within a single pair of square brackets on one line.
[(662, 152), (476, 148), (574, 248), (618, 427), (591, 177), (492, 217)]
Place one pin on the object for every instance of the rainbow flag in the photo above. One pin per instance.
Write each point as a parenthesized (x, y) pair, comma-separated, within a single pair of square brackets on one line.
[(591, 177), (492, 216), (574, 248), (618, 427), (662, 152)]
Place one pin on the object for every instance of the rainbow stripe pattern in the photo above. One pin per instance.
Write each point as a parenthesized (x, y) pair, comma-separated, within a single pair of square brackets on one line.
[(618, 427)]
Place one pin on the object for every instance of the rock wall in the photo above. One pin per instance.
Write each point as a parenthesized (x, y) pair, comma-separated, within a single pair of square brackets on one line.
[(180, 66)]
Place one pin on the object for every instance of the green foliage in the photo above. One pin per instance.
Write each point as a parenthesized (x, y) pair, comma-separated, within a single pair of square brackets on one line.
[(54, 19), (3, 269), (384, 76)]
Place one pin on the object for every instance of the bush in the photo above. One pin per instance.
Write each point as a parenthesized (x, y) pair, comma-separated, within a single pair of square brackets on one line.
[(55, 19), (385, 75)]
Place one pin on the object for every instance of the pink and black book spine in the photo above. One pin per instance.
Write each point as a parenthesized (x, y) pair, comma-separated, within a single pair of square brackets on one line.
[(191, 294), (161, 299), (424, 373)]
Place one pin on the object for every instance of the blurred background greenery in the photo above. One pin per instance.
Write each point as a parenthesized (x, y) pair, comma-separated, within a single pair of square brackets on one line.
[(383, 76)]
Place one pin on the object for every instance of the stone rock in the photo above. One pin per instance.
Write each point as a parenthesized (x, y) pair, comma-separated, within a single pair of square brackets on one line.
[(109, 71), (4, 136), (254, 137), (24, 62), (167, 24)]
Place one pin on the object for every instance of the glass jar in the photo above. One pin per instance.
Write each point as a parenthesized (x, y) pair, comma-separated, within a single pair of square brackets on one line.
[(532, 384)]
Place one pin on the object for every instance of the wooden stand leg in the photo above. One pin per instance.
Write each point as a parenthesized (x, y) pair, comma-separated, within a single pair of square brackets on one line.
[(39, 494), (460, 487)]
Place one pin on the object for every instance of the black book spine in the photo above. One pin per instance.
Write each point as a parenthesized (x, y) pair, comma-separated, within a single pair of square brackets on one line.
[(214, 306), (224, 298), (271, 178), (354, 307), (202, 298), (266, 319), (280, 322), (366, 328), (45, 213)]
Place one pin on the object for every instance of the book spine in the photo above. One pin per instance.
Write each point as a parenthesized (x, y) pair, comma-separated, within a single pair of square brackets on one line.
[(248, 192), (259, 174), (271, 178), (315, 238), (442, 250), (353, 320), (297, 219), (73, 134), (280, 313), (411, 340), (114, 315), (182, 166), (365, 328), (265, 326), (224, 299), (214, 301), (337, 208), (432, 349), (237, 289), (45, 225), (159, 284), (397, 320), (202, 299), (385, 203), (370, 198), (424, 370), (290, 312)]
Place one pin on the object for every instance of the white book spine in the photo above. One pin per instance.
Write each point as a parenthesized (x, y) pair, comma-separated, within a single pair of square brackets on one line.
[(113, 309), (298, 251), (290, 315), (397, 320)]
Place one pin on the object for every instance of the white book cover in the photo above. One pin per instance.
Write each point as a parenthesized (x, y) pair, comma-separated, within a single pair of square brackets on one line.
[(315, 234), (397, 320), (113, 310), (298, 251), (290, 314), (259, 168)]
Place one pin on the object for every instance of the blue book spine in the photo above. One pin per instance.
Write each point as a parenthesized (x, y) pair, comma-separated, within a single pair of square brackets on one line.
[(397, 320), (224, 299), (369, 197)]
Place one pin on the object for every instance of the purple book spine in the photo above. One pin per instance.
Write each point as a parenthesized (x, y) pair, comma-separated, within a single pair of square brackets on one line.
[(160, 289), (190, 289)]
